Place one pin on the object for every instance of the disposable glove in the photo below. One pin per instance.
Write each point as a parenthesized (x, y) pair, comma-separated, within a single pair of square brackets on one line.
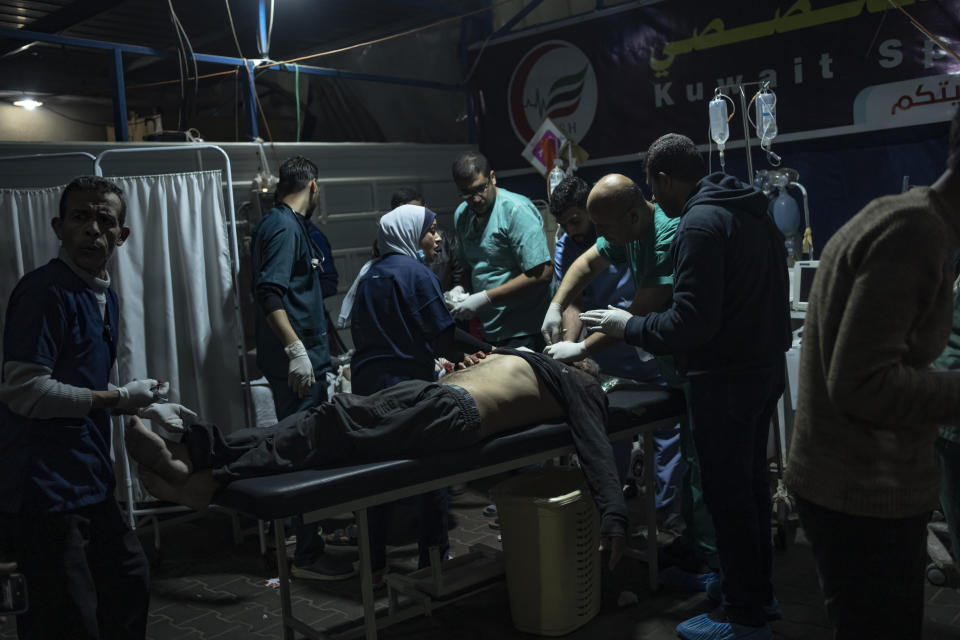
[(567, 351), (469, 307), (454, 296), (300, 372), (611, 321), (170, 415), (140, 393), (552, 323)]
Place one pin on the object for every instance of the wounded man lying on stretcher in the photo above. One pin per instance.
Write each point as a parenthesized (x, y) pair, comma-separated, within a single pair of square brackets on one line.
[(508, 390)]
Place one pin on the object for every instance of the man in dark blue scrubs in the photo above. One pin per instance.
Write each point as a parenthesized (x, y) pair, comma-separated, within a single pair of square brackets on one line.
[(87, 576), (292, 348)]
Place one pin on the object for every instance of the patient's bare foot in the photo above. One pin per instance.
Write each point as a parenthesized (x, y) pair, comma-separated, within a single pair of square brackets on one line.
[(196, 492), (165, 458)]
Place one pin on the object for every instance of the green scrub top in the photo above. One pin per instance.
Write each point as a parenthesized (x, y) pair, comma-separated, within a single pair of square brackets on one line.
[(511, 242), (651, 258), (651, 263)]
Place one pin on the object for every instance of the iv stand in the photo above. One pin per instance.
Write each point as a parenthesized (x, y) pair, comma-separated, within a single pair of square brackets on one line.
[(746, 124), (746, 134)]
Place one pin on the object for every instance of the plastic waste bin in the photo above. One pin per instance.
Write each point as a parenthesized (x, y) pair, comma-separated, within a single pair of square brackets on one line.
[(550, 529)]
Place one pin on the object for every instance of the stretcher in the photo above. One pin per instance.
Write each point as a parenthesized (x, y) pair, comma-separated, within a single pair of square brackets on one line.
[(324, 493)]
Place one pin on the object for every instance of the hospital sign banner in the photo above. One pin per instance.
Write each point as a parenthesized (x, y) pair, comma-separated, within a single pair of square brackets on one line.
[(616, 82)]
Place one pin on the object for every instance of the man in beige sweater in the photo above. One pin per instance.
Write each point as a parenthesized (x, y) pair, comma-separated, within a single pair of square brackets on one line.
[(861, 461)]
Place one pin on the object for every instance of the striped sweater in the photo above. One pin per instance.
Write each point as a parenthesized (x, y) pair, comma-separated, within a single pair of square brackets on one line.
[(868, 406)]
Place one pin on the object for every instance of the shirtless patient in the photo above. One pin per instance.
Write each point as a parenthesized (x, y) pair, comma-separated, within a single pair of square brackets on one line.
[(506, 391)]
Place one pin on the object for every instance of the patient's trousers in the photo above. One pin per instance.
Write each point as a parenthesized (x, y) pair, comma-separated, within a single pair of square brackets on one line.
[(410, 418)]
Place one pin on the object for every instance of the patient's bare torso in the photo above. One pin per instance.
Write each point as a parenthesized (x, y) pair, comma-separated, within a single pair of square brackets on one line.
[(507, 392)]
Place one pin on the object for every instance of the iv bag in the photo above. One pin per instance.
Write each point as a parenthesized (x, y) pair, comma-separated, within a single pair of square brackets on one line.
[(766, 117), (719, 127), (555, 177)]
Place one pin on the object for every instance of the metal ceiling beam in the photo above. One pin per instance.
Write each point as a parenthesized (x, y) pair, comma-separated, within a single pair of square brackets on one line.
[(117, 70), (439, 7), (57, 21), (225, 60), (351, 75), (605, 10), (512, 22), (120, 131)]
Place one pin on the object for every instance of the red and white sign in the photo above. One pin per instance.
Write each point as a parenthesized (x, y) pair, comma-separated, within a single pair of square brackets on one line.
[(553, 80)]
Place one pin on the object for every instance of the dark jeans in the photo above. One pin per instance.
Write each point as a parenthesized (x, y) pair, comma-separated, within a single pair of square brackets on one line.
[(410, 418), (432, 507), (286, 402), (871, 571), (670, 469), (948, 461), (534, 342), (730, 415), (87, 575), (700, 533)]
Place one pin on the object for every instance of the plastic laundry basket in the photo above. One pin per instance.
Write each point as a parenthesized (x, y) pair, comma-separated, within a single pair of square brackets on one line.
[(551, 531)]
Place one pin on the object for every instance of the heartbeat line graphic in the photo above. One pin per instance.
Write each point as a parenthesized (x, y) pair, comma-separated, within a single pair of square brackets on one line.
[(562, 99)]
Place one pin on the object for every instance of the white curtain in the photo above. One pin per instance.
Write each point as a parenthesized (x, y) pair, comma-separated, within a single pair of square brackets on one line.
[(29, 241), (173, 277)]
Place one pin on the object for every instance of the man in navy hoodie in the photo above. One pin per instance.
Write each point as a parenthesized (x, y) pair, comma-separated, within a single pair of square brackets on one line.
[(728, 328)]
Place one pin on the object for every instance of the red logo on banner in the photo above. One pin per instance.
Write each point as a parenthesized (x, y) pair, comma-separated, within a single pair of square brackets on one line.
[(554, 80)]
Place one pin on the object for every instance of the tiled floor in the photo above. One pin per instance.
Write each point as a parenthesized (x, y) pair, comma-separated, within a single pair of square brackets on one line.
[(205, 587)]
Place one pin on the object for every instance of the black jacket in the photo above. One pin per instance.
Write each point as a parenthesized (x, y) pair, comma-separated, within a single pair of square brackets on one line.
[(730, 284)]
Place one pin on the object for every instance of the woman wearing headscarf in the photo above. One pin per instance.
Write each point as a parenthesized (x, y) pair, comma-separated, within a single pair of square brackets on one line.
[(399, 322), (400, 325)]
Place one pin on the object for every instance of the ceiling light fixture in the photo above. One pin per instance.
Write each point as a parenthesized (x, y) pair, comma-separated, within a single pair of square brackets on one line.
[(27, 103)]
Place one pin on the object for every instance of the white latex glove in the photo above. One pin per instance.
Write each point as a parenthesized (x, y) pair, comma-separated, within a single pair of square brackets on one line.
[(611, 321), (300, 372), (552, 328), (567, 351), (170, 415), (140, 393), (469, 307), (454, 296)]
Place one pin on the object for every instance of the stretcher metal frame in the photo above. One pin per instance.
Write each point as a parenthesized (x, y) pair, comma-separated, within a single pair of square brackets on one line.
[(629, 417)]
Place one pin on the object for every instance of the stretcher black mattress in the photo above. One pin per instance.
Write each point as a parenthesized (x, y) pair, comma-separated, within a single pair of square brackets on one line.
[(288, 494)]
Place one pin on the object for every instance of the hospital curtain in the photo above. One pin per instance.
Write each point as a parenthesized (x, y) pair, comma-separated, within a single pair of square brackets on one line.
[(28, 241), (173, 278)]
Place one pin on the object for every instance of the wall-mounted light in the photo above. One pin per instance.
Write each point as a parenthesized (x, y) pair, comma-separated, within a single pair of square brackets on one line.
[(27, 103)]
